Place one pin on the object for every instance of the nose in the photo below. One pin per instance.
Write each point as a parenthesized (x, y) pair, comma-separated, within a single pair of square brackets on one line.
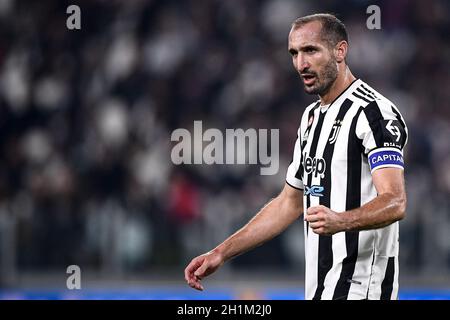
[(302, 63)]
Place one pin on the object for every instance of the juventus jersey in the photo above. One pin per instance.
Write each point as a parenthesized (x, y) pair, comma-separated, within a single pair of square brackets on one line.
[(337, 149)]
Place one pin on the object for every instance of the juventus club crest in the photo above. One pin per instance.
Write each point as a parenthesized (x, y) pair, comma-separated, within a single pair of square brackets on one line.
[(335, 131)]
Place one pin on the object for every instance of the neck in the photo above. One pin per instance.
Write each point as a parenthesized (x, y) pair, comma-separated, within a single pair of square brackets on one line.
[(343, 80)]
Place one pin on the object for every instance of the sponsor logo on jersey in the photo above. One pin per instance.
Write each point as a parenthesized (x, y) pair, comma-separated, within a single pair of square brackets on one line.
[(394, 130), (315, 166), (315, 191)]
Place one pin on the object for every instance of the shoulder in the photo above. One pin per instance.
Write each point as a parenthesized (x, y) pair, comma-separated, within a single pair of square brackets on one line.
[(381, 121), (375, 105)]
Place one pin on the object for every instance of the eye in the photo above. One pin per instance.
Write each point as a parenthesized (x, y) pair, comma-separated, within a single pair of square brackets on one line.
[(293, 52)]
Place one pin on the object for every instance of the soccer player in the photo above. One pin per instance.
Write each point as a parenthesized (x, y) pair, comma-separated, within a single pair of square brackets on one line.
[(346, 178)]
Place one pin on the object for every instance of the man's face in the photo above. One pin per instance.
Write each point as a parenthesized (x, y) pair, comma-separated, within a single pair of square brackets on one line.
[(312, 58)]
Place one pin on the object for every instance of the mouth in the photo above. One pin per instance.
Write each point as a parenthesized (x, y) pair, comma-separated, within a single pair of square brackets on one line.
[(308, 79)]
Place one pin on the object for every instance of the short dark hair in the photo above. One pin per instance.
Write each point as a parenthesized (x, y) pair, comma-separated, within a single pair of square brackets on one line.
[(333, 30)]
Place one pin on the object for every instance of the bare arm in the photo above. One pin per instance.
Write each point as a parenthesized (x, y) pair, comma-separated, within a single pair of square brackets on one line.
[(270, 221), (389, 206)]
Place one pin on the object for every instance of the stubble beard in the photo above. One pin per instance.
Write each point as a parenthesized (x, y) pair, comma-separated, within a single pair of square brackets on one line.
[(325, 80)]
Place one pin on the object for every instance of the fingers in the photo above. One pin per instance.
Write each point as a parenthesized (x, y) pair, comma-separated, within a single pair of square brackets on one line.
[(196, 285), (189, 274), (316, 209), (314, 217), (201, 271), (190, 269), (316, 213), (317, 225), (322, 220), (323, 231), (320, 231)]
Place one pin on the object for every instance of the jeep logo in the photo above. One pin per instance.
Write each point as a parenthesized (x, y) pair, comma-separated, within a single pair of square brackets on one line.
[(316, 166)]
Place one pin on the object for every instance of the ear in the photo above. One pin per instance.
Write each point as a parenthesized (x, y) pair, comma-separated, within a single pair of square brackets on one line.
[(340, 50)]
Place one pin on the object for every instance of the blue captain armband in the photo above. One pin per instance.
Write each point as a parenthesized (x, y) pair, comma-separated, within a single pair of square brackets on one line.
[(385, 158)]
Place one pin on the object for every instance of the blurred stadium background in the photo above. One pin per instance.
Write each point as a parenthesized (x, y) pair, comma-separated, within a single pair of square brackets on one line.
[(85, 124)]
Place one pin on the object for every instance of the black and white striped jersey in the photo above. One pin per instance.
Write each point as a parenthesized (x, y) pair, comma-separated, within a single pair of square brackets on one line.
[(338, 147)]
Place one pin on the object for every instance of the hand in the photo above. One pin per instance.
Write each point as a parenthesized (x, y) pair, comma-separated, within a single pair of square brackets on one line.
[(202, 266), (323, 220)]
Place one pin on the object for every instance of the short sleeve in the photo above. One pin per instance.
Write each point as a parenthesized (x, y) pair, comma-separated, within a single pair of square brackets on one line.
[(383, 133), (292, 178)]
